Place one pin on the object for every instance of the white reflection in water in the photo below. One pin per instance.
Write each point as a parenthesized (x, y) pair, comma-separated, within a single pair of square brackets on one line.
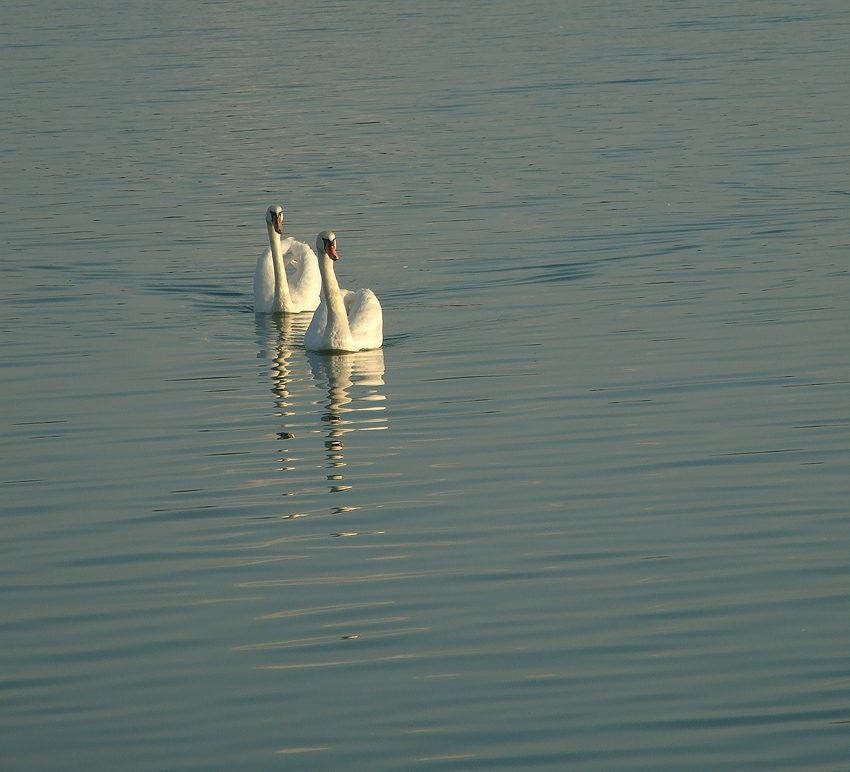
[(278, 336), (353, 402), (353, 399)]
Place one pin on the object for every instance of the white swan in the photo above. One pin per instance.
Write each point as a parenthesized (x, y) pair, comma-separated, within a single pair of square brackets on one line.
[(273, 292), (344, 321)]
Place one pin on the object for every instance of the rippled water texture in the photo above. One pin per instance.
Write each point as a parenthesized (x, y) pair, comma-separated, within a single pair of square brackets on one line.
[(586, 509)]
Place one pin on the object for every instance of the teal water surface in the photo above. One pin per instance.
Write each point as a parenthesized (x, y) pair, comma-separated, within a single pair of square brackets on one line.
[(585, 509)]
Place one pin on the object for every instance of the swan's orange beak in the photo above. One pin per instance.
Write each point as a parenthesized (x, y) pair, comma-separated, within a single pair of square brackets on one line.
[(277, 223), (330, 250)]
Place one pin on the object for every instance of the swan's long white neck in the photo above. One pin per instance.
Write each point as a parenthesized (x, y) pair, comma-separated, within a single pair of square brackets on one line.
[(337, 315), (282, 300)]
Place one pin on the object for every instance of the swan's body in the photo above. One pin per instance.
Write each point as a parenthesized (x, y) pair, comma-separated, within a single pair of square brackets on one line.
[(273, 292), (344, 321)]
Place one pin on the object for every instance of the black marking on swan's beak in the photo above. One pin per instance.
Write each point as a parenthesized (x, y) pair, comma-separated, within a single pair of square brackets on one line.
[(330, 249), (277, 222)]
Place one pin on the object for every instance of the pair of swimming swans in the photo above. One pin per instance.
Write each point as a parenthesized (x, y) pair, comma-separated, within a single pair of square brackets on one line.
[(343, 320)]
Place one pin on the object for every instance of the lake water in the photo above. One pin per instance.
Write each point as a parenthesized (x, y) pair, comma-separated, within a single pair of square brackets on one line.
[(587, 509)]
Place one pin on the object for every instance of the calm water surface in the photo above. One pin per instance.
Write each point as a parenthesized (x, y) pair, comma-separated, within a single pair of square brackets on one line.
[(586, 509)]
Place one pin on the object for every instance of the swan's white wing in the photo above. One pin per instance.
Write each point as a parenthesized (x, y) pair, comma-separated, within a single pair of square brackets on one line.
[(305, 283), (264, 283), (366, 320)]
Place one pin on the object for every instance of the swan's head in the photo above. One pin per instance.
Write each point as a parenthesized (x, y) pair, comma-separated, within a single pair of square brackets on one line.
[(326, 244), (274, 219)]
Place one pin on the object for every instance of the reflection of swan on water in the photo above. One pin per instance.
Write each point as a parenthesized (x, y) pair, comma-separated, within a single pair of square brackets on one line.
[(344, 321), (353, 403), (273, 292), (276, 336)]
